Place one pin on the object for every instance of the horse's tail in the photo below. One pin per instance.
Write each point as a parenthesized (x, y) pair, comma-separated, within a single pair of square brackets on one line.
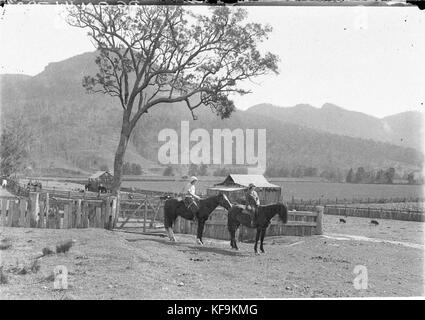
[(169, 210), (283, 214)]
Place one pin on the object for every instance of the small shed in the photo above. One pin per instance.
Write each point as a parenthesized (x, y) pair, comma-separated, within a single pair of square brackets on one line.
[(235, 186), (103, 178)]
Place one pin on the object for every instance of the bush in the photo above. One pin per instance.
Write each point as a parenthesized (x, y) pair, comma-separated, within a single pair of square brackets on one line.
[(5, 244), (168, 171), (3, 277)]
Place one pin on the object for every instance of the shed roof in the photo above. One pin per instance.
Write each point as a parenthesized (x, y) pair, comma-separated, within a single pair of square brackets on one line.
[(245, 179), (227, 188), (98, 174)]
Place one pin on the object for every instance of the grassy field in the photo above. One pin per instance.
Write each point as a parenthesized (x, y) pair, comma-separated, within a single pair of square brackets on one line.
[(305, 190)]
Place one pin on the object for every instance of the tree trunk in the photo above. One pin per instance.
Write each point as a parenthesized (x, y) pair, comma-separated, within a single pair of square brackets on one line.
[(119, 156)]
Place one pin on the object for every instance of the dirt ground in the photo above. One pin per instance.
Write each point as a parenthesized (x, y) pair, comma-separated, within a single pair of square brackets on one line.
[(120, 265)]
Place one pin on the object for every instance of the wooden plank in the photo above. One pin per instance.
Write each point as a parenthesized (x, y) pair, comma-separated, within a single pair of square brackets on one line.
[(92, 215), (47, 208), (3, 221), (66, 216), (78, 218), (33, 209), (114, 211), (85, 215), (16, 213), (107, 214), (40, 217), (9, 212), (58, 218), (103, 213), (24, 218), (303, 213), (98, 217), (145, 214), (50, 218), (301, 223)]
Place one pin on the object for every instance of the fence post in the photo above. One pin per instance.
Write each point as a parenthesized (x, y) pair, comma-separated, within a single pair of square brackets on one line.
[(319, 220), (145, 213), (34, 209), (115, 210), (78, 220)]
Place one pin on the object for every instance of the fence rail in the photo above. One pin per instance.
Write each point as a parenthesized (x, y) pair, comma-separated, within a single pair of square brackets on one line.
[(342, 201), (376, 213), (368, 212)]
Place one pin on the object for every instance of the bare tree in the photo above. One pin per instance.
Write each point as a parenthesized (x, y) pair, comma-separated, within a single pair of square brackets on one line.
[(156, 55)]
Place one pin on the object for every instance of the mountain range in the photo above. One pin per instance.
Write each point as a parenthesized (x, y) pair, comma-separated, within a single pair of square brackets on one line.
[(404, 129), (77, 131)]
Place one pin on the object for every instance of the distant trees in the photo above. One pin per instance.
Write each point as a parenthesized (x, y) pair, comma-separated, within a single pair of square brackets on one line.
[(332, 174), (363, 176), (198, 170), (350, 176), (295, 172), (416, 177), (104, 167), (203, 170), (134, 169), (221, 172), (14, 147), (411, 178), (168, 171), (193, 170), (360, 175)]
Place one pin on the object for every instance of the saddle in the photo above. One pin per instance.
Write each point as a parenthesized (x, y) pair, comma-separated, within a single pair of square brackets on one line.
[(250, 211), (191, 204)]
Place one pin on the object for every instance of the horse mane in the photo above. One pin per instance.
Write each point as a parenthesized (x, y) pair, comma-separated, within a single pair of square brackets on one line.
[(283, 214)]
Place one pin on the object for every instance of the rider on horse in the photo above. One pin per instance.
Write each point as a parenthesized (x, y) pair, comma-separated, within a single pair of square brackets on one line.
[(190, 197), (252, 203)]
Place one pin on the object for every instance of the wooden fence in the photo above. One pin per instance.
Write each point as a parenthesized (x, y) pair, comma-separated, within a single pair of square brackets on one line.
[(372, 213), (300, 223), (44, 211), (342, 201), (140, 209), (376, 213)]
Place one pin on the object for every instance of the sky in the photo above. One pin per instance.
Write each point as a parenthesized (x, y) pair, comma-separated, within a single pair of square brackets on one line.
[(362, 59)]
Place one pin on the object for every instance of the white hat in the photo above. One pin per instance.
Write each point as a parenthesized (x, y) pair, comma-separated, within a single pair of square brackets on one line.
[(193, 178)]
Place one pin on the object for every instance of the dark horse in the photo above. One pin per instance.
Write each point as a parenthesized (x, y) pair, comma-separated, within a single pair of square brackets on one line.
[(174, 208), (237, 215)]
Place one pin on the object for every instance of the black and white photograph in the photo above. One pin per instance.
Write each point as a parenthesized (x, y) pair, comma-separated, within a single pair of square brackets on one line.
[(236, 151)]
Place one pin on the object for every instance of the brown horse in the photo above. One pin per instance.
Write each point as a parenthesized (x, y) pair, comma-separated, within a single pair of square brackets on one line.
[(174, 208), (238, 215)]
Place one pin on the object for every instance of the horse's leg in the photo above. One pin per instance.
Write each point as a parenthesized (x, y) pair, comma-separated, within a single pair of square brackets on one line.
[(263, 234), (170, 236), (201, 223), (257, 236), (168, 224), (235, 242), (170, 233), (232, 231)]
